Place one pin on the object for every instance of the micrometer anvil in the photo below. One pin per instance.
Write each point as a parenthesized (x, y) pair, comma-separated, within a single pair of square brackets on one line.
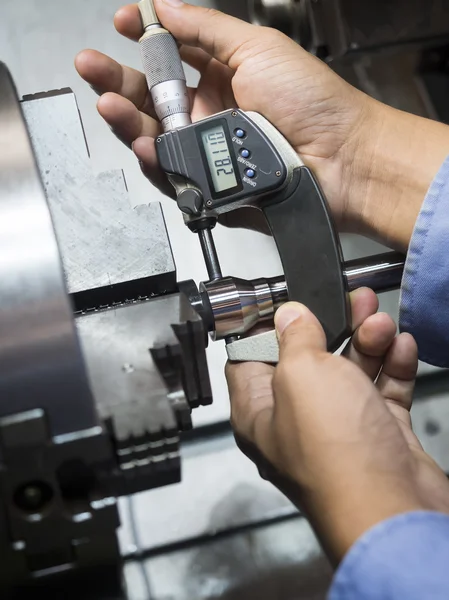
[(236, 159)]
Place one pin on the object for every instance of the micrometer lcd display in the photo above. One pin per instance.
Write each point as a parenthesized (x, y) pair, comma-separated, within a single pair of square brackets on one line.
[(219, 158)]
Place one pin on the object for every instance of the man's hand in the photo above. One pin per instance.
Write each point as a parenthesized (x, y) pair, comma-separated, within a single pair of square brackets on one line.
[(240, 65), (334, 433), (363, 153)]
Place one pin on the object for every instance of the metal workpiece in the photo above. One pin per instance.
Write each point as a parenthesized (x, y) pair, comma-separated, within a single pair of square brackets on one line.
[(40, 358), (110, 252), (164, 71), (382, 272), (239, 305)]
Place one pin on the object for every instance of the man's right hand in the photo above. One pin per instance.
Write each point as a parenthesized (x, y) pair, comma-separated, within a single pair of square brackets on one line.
[(334, 433), (363, 153)]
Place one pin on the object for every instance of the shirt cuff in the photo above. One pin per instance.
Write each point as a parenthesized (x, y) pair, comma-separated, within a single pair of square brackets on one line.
[(425, 287), (405, 557)]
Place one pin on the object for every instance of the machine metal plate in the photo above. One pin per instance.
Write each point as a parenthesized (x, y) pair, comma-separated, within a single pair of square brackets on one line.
[(103, 241), (125, 379)]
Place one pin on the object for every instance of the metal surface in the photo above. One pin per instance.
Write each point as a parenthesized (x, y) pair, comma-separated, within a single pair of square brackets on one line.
[(382, 273), (280, 561), (106, 247), (172, 104), (210, 254), (239, 305), (164, 71), (40, 359), (125, 375), (56, 512)]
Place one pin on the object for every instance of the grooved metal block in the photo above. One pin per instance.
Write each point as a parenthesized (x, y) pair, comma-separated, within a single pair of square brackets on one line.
[(103, 241)]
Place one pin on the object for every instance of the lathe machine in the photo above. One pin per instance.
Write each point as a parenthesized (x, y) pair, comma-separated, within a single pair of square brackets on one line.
[(102, 350)]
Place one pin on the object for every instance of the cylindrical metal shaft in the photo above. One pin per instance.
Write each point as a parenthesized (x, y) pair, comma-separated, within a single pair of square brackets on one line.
[(238, 305), (381, 273), (210, 254)]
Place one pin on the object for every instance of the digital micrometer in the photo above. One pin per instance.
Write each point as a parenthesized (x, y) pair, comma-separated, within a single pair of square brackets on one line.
[(236, 159)]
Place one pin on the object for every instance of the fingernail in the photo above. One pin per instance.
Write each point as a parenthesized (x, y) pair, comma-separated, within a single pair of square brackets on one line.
[(175, 3), (288, 314)]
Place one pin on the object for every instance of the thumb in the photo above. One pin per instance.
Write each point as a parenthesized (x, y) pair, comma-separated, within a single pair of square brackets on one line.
[(220, 35), (298, 330)]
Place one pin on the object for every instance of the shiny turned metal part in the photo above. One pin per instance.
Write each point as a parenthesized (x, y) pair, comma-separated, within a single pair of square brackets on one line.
[(381, 273), (41, 365), (239, 305)]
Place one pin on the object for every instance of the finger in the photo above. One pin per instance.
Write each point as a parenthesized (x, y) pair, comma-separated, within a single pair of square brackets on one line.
[(250, 390), (128, 22), (371, 342), (107, 75), (144, 149), (397, 380), (298, 331), (127, 122), (364, 303)]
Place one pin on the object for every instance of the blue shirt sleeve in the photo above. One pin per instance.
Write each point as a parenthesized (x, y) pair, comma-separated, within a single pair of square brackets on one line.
[(403, 558), (424, 306)]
